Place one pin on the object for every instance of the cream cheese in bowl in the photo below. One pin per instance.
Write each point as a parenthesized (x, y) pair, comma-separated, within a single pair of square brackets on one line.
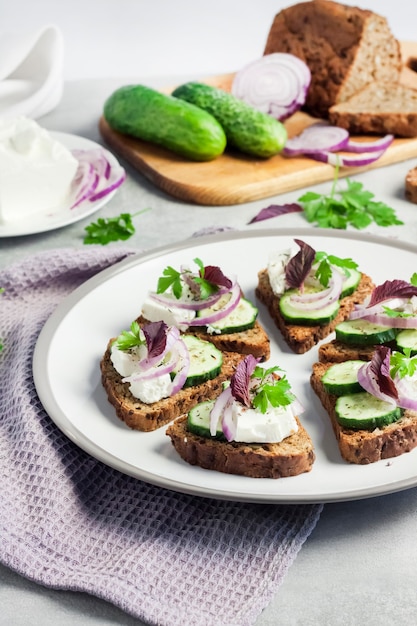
[(36, 170)]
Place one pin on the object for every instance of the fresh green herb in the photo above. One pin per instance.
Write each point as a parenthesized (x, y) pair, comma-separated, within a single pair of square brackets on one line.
[(325, 261), (170, 278), (105, 230), (403, 364), (395, 313), (273, 394), (130, 338), (343, 207), (413, 279), (206, 288)]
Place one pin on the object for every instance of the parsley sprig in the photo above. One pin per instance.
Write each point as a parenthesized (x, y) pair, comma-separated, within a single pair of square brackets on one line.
[(105, 230), (353, 206), (130, 338), (173, 279), (325, 261), (275, 393), (403, 364)]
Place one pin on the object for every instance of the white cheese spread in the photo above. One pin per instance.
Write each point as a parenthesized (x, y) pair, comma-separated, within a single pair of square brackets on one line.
[(172, 316), (36, 170), (273, 426), (276, 270), (125, 362)]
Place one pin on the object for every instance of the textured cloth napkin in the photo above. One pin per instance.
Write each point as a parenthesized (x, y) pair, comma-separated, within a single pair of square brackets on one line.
[(70, 522), (31, 72)]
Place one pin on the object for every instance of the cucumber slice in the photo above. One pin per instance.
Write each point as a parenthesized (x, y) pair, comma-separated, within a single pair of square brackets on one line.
[(342, 378), (198, 421), (241, 318), (351, 282), (407, 339), (364, 333), (364, 411), (295, 315), (205, 361)]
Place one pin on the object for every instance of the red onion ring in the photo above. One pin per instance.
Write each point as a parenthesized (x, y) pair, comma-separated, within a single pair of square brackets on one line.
[(217, 411), (95, 177), (317, 139), (189, 305), (368, 382), (356, 160), (181, 375), (369, 146), (276, 84), (319, 299), (234, 300)]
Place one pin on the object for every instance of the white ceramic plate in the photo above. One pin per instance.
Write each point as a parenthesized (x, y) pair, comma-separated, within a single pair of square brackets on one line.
[(64, 215), (67, 376)]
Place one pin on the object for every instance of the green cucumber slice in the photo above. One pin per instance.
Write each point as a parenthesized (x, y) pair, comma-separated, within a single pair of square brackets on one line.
[(242, 318), (407, 339), (342, 378), (205, 361), (364, 333), (295, 315), (198, 421), (351, 282), (364, 411)]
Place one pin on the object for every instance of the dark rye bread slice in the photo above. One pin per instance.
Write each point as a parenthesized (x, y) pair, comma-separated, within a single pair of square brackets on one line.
[(146, 417), (336, 352), (292, 456), (252, 341), (302, 338), (364, 446)]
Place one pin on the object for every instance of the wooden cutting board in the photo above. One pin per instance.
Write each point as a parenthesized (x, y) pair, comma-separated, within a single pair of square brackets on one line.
[(234, 178)]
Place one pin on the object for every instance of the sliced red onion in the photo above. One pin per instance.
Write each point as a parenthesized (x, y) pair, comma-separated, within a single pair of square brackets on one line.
[(172, 336), (377, 315), (95, 177), (187, 305), (154, 372), (407, 392), (275, 84), (229, 423), (357, 160), (369, 146), (392, 322), (218, 408), (184, 360), (234, 300), (317, 139), (319, 299), (367, 381)]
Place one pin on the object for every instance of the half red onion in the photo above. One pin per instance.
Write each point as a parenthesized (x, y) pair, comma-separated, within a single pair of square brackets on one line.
[(276, 84)]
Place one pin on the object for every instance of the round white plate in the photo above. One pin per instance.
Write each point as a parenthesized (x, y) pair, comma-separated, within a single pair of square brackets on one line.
[(67, 374), (64, 215)]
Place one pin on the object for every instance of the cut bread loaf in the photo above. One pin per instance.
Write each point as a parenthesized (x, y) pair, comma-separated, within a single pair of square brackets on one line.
[(253, 341), (379, 108), (302, 338), (292, 456), (345, 48), (366, 446), (146, 417)]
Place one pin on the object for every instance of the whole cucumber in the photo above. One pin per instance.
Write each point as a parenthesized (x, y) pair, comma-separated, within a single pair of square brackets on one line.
[(246, 128), (177, 125)]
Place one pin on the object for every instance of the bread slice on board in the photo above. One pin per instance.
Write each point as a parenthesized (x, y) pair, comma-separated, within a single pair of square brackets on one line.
[(378, 108), (366, 446), (302, 338), (345, 48), (292, 456), (146, 417)]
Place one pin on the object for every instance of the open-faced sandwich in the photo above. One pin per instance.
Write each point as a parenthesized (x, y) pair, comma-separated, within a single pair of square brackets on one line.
[(209, 305), (152, 374), (251, 429), (388, 317), (308, 293), (372, 405)]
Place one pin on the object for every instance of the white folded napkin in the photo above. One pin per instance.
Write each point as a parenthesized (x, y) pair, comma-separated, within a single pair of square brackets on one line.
[(31, 72)]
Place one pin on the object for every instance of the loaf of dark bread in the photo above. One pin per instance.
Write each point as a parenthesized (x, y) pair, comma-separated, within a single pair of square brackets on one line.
[(366, 446), (292, 456), (345, 48), (302, 338), (146, 417), (380, 108)]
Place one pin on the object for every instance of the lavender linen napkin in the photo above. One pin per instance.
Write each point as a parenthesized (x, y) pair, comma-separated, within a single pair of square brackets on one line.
[(70, 522)]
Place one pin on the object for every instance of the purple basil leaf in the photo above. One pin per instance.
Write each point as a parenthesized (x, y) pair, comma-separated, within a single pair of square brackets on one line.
[(392, 289), (215, 276), (275, 210), (380, 366), (239, 383), (156, 338), (299, 266)]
